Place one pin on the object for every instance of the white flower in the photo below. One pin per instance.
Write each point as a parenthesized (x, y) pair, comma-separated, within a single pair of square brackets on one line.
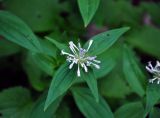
[(79, 56), (155, 71)]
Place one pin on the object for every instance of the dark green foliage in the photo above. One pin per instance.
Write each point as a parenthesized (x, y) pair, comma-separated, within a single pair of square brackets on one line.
[(125, 37)]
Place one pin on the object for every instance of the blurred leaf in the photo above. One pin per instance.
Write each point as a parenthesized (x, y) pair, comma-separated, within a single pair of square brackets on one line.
[(146, 39), (34, 73), (8, 48), (88, 106), (15, 103), (45, 63), (63, 111), (153, 96), (132, 72), (155, 113), (105, 40), (130, 110), (38, 109), (91, 82), (119, 88), (15, 30), (108, 60), (88, 9), (124, 11), (48, 48), (152, 9), (40, 15), (60, 46), (62, 81)]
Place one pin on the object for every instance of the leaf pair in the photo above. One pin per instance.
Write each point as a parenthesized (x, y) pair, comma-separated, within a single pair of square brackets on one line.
[(65, 77)]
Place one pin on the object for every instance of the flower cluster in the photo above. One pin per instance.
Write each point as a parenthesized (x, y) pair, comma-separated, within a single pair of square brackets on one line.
[(79, 56), (155, 71)]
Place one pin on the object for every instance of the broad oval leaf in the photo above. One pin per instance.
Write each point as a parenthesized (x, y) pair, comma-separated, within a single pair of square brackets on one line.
[(105, 40), (132, 72), (130, 110), (88, 106), (15, 30), (88, 9), (62, 81)]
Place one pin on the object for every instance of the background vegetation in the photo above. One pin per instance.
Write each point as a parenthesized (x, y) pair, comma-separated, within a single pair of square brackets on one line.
[(29, 61)]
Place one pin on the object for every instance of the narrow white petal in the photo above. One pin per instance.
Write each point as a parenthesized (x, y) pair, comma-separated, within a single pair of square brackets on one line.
[(78, 72), (150, 65), (152, 80), (73, 45), (95, 65), (71, 65), (84, 66), (90, 43), (97, 61), (79, 45), (73, 50), (149, 69), (65, 53), (158, 63)]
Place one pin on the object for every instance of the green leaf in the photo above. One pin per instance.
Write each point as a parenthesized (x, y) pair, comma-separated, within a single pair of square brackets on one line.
[(8, 48), (15, 103), (57, 44), (132, 72), (130, 110), (105, 40), (108, 60), (152, 10), (38, 109), (146, 40), (88, 106), (155, 113), (44, 62), (153, 96), (116, 79), (88, 9), (34, 73), (64, 111), (62, 81), (15, 30), (48, 48), (92, 82), (123, 10), (40, 15)]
